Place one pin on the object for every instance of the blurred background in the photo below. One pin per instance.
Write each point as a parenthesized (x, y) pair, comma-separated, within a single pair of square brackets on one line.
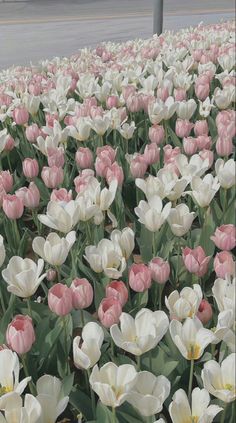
[(31, 30)]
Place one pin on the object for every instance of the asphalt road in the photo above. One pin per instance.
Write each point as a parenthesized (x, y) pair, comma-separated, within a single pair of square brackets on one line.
[(31, 30)]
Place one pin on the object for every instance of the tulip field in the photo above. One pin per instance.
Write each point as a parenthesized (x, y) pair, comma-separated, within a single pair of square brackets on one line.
[(117, 233)]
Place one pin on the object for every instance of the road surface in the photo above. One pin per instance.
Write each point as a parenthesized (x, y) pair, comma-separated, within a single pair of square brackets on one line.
[(31, 30)]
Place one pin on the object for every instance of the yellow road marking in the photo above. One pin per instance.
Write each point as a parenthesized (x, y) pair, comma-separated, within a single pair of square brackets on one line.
[(107, 17)]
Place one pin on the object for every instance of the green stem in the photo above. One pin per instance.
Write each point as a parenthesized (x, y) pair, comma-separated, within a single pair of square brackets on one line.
[(58, 274), (88, 372), (66, 348), (138, 360), (82, 317), (160, 294), (29, 308), (154, 244), (112, 348), (177, 267), (16, 233), (190, 380), (223, 415), (114, 415), (2, 302), (31, 384)]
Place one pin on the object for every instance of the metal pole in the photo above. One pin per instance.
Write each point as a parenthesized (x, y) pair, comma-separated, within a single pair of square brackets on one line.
[(157, 16)]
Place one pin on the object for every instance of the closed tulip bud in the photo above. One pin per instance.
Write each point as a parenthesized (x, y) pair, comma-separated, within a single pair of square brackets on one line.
[(190, 146), (207, 155), (109, 311), (117, 289), (61, 195), (102, 164), (156, 134), (51, 275), (106, 151), (170, 153), (224, 264), (151, 154), (13, 206), (32, 132), (224, 146), (138, 167), (203, 142), (84, 158), (134, 103), (196, 260), (202, 90), (160, 270), (225, 237), (30, 168), (6, 180), (60, 299), (82, 293), (201, 128), (30, 196), (205, 312), (20, 115), (127, 91), (115, 172), (183, 128), (20, 334), (180, 94), (139, 277), (10, 144), (112, 101), (52, 176), (56, 157)]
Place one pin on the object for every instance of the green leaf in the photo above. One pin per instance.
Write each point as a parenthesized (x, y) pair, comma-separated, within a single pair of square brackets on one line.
[(67, 384), (104, 415), (207, 231), (161, 363), (6, 318), (82, 403), (145, 244), (174, 138)]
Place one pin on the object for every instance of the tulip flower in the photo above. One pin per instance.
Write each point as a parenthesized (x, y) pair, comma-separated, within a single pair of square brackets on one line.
[(141, 334), (191, 338), (199, 411), (180, 219), (196, 261), (60, 299), (61, 216), (9, 376), (149, 393), (31, 412), (51, 398), (87, 355), (225, 172), (109, 311), (160, 270), (82, 293), (20, 334), (23, 276), (204, 190), (224, 264), (152, 214), (113, 383), (118, 290), (54, 249), (184, 304), (125, 240), (225, 237), (219, 379), (224, 293)]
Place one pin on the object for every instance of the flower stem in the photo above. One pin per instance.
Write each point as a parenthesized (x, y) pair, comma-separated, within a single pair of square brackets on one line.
[(31, 384), (114, 415), (66, 349), (16, 233), (138, 360), (190, 380), (88, 372), (160, 295), (29, 308), (82, 317), (177, 265), (223, 415)]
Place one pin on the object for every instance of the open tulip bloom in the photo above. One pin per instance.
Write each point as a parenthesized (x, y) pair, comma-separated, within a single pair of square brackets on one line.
[(117, 232)]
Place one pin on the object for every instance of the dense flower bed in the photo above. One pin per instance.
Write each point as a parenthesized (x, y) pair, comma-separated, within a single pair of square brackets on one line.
[(117, 233)]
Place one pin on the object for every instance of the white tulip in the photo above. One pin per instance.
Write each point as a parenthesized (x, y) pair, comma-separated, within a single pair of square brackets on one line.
[(200, 410), (149, 393), (224, 329), (9, 376), (127, 130), (226, 61), (180, 219), (29, 413), (223, 98), (112, 383), (81, 130), (50, 396), (104, 197), (219, 379), (2, 251), (204, 190), (225, 172), (196, 166), (125, 240), (100, 124), (85, 206), (184, 304), (61, 216), (205, 107), (165, 184), (152, 213), (57, 131), (88, 354), (224, 291), (31, 103), (23, 276), (141, 334), (54, 249), (160, 110), (186, 108), (191, 338), (44, 145)]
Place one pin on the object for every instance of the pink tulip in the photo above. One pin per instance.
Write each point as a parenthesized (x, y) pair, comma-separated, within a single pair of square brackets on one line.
[(20, 334), (203, 142), (170, 153), (127, 91), (82, 181), (151, 154), (207, 155), (117, 289), (156, 134), (160, 270), (204, 312), (138, 166), (20, 115), (61, 195), (195, 260), (224, 264), (106, 152), (112, 101), (10, 144), (201, 128), (183, 128), (163, 93), (30, 196), (224, 146), (109, 311), (202, 90), (84, 158), (51, 275), (139, 277), (225, 122), (12, 206), (82, 293), (52, 176), (134, 103), (32, 132), (225, 237), (56, 157), (60, 299), (180, 94), (6, 180), (190, 146), (115, 172), (30, 168)]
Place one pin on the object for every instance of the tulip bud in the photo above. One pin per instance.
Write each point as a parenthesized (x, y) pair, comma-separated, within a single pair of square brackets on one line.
[(32, 132), (51, 275), (30, 196), (115, 172), (156, 134), (56, 157), (151, 154), (138, 167), (60, 299), (225, 237), (84, 158), (61, 195), (224, 146), (139, 277), (12, 206), (52, 176), (183, 128), (224, 264), (6, 180), (20, 334), (20, 115), (201, 128), (160, 270), (109, 311), (190, 146), (205, 312), (10, 143), (82, 293), (117, 289), (30, 168)]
